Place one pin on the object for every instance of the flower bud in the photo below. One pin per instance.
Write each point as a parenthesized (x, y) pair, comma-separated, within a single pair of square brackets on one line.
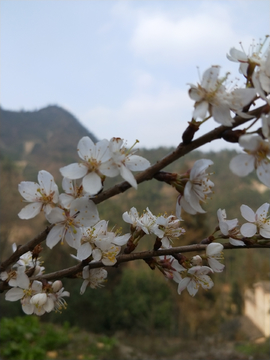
[(57, 285), (196, 260), (232, 135), (189, 133)]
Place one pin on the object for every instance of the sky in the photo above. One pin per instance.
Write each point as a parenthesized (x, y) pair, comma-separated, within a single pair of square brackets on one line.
[(122, 68)]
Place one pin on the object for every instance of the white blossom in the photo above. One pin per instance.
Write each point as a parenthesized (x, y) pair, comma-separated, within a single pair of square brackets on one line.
[(211, 96), (95, 159), (198, 187), (193, 278), (125, 161), (68, 224), (229, 228), (170, 226), (93, 278), (42, 195), (258, 222), (257, 157), (213, 255)]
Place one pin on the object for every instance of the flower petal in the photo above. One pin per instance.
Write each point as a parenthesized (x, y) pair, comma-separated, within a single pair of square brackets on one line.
[(248, 230), (242, 164), (92, 183), (247, 213), (74, 171), (30, 211)]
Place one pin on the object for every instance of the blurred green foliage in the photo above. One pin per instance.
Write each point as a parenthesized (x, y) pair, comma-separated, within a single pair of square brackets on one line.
[(25, 338)]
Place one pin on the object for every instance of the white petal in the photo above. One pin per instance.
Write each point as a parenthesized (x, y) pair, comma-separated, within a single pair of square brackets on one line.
[(183, 284), (57, 215), (46, 181), (242, 164), (55, 235), (29, 190), (103, 152), (235, 242), (216, 265), (221, 113), (210, 77), (86, 148), (84, 251), (67, 185), (88, 212), (241, 98), (121, 240), (14, 294), (109, 168), (49, 305), (28, 308), (128, 176), (84, 286), (206, 282), (136, 163), (186, 206), (65, 200), (214, 248), (191, 198), (248, 230), (192, 288), (199, 166), (74, 171), (263, 173), (247, 213), (92, 183), (200, 110), (250, 141), (30, 211), (73, 237)]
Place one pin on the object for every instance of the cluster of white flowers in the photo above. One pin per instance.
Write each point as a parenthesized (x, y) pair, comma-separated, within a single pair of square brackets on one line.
[(258, 224), (194, 274), (36, 297), (166, 228), (105, 158), (74, 216)]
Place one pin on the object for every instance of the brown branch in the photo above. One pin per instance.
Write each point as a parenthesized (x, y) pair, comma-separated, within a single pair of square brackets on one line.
[(179, 152), (72, 271)]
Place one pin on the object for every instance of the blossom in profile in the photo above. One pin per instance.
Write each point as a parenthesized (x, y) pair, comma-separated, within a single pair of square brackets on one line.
[(258, 222), (261, 77), (214, 255), (93, 278), (229, 228), (198, 187), (256, 157), (42, 196)]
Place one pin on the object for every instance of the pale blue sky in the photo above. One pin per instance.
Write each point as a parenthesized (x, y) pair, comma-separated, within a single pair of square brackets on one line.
[(121, 67)]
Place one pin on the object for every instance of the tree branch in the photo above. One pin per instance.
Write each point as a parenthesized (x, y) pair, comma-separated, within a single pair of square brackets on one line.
[(22, 249), (179, 152), (72, 271)]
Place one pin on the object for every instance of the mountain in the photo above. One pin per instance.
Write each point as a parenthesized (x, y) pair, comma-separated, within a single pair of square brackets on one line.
[(47, 137)]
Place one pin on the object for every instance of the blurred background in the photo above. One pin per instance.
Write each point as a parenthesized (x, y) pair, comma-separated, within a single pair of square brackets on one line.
[(121, 68)]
